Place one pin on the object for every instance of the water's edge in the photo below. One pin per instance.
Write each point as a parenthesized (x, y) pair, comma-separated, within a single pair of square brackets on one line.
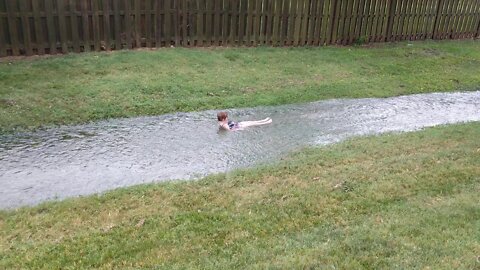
[(68, 161)]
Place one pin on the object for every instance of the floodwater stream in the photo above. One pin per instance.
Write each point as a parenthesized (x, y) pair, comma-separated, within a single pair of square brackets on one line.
[(68, 161)]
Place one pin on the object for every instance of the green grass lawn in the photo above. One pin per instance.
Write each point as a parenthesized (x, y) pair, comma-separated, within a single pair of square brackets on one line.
[(91, 86), (397, 201)]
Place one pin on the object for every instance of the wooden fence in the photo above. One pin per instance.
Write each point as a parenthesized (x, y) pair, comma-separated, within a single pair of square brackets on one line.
[(30, 27)]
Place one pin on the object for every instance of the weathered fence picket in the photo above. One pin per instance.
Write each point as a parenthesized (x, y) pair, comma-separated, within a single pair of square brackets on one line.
[(29, 27)]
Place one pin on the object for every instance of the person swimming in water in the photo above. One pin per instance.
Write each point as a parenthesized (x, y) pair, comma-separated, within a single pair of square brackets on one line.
[(225, 124)]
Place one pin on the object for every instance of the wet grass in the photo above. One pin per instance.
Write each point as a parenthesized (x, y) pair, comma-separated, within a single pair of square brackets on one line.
[(404, 201), (91, 86)]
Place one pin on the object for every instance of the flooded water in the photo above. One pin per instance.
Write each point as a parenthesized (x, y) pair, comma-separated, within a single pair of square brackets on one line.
[(84, 159)]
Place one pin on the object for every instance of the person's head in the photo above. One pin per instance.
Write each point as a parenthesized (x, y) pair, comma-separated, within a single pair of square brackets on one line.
[(222, 116)]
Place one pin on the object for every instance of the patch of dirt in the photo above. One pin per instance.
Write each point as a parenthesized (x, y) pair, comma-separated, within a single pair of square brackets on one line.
[(7, 102)]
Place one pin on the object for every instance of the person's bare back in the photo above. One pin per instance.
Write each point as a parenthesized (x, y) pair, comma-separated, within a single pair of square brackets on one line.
[(224, 124)]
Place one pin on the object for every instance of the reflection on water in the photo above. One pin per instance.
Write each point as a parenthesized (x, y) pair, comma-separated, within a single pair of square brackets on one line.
[(84, 159)]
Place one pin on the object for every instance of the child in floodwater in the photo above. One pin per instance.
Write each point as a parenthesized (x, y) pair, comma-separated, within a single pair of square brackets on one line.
[(230, 125)]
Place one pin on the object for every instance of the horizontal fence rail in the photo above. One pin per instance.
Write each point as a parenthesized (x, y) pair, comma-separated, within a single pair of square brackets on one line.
[(29, 27)]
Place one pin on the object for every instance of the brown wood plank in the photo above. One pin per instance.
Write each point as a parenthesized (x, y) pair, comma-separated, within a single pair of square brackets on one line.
[(353, 22), (312, 10), (52, 39), (371, 21), (364, 32), (200, 5), (478, 26), (390, 15), (298, 22), (96, 25), (216, 22), (118, 25), (462, 17), (474, 26), (340, 21), (467, 21), (269, 16), (318, 22), (184, 18), (292, 17), (148, 23), (26, 28), (382, 22), (475, 22), (63, 25), (225, 22), (445, 30), (405, 18), (137, 24), (342, 16), (277, 6), (348, 22), (438, 19), (396, 19), (432, 18), (233, 38), (303, 40), (266, 20), (167, 27), (324, 28), (349, 27), (157, 23), (470, 21), (3, 39), (359, 19), (331, 19), (129, 25), (74, 24), (241, 22), (402, 19), (421, 20), (458, 20), (106, 25), (249, 20), (450, 26), (12, 27), (448, 18), (177, 22), (39, 34), (85, 26), (255, 22), (284, 22), (208, 22), (420, 34), (410, 19)]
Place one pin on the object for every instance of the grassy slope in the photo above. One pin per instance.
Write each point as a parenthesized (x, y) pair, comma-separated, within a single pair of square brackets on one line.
[(78, 88), (393, 201)]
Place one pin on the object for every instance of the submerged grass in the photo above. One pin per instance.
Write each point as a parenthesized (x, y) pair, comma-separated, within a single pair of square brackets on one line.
[(392, 201), (82, 87)]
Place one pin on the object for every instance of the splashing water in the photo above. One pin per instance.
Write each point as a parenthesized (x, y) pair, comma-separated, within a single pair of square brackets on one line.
[(84, 159)]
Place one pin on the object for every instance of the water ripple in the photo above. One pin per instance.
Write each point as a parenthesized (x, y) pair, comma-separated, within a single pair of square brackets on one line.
[(90, 158)]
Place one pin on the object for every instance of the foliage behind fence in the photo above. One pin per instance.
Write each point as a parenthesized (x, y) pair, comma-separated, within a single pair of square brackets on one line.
[(52, 26)]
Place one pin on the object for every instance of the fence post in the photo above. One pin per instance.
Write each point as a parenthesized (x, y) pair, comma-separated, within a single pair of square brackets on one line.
[(333, 8), (435, 23), (478, 29), (390, 17), (3, 43), (12, 28)]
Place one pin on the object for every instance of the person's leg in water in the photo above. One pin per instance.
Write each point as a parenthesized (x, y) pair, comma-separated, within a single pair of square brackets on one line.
[(245, 124)]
